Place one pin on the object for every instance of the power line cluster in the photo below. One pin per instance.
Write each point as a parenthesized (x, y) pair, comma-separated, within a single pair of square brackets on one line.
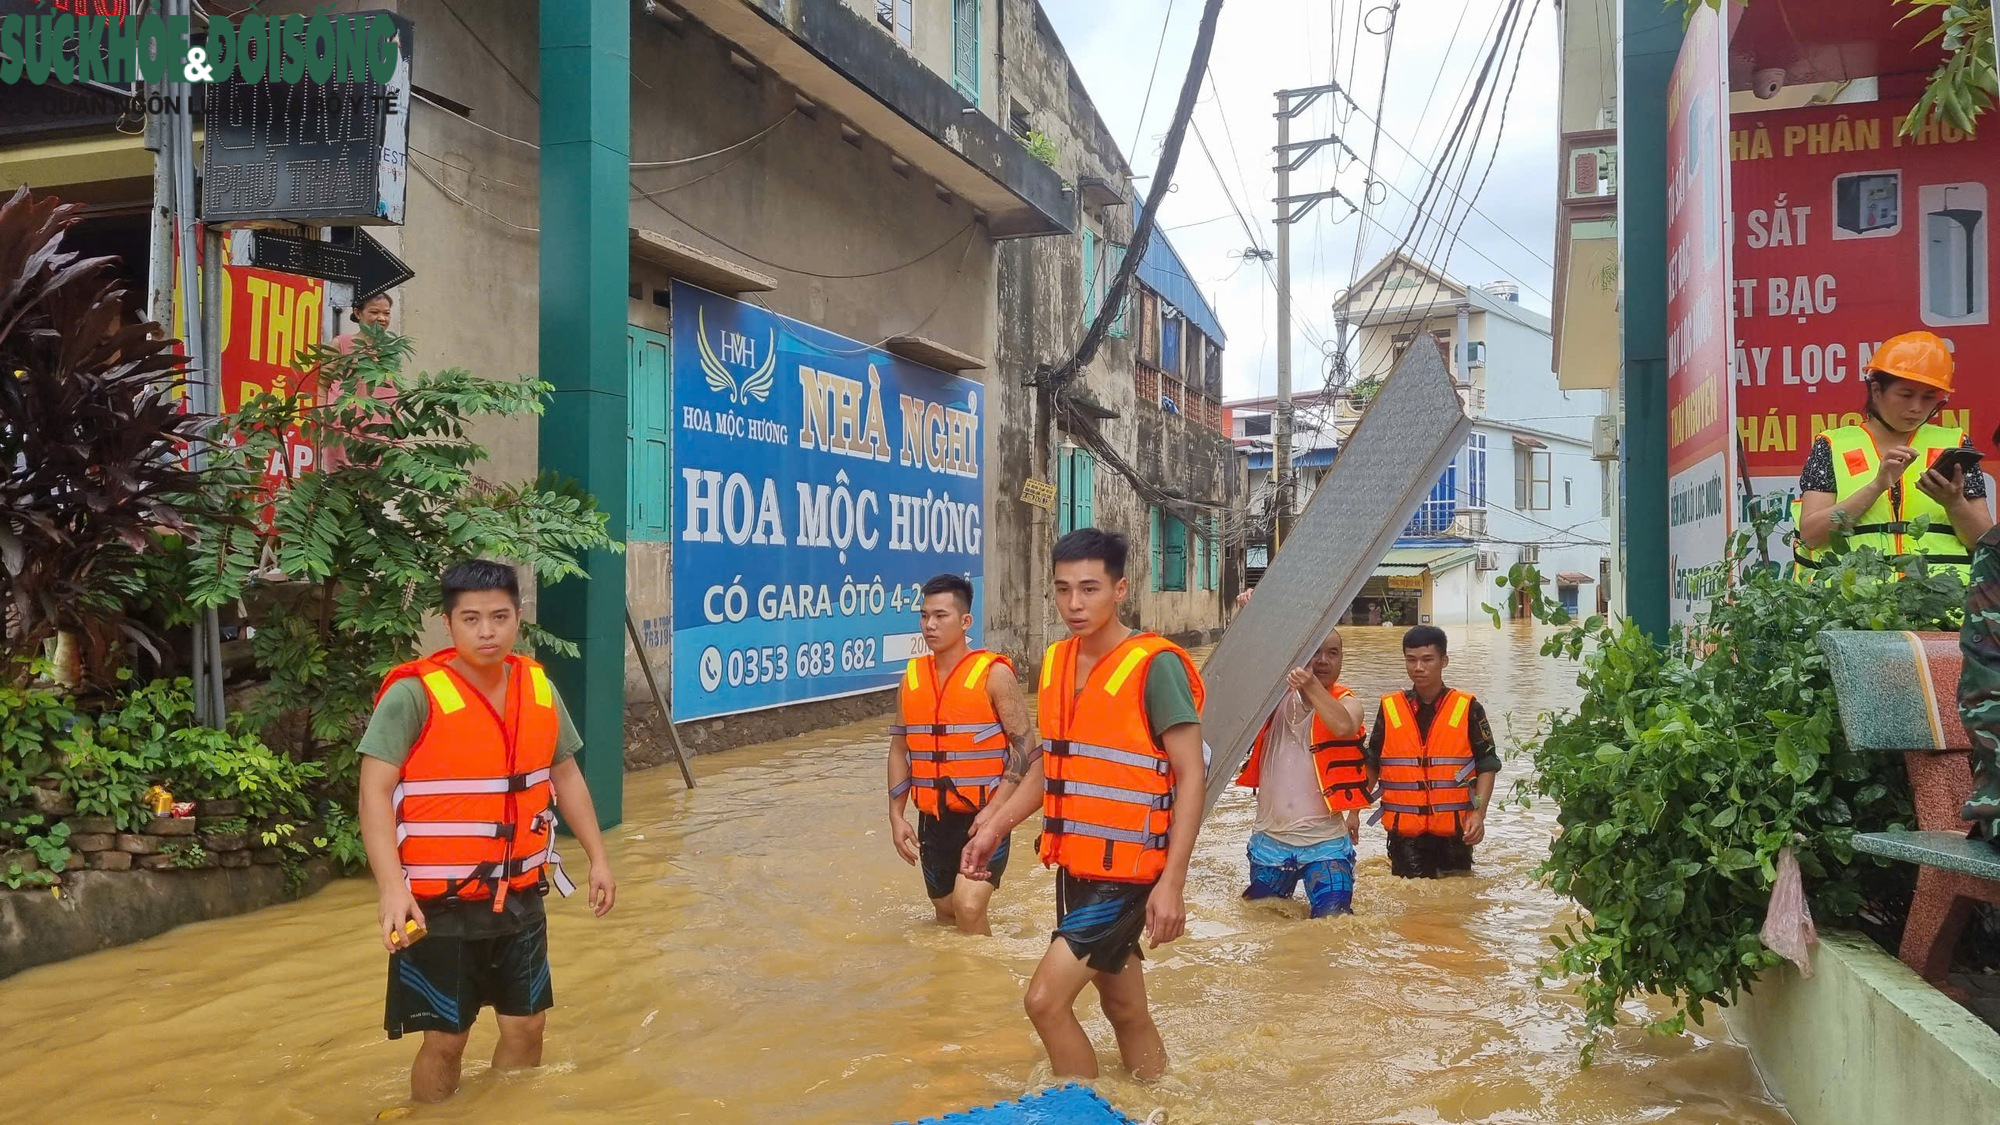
[(1443, 204)]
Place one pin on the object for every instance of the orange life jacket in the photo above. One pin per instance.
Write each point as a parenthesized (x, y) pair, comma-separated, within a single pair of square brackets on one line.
[(957, 746), (1426, 783), (475, 809), (1110, 789), (1337, 762)]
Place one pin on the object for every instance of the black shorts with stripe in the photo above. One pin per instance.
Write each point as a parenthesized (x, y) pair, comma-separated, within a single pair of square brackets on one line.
[(441, 982), (1101, 920)]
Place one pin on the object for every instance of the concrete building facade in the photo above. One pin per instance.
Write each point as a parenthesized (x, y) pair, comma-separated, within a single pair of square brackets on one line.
[(925, 176), (1527, 487)]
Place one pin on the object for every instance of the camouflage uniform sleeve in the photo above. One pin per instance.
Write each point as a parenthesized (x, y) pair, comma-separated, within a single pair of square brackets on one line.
[(1979, 684)]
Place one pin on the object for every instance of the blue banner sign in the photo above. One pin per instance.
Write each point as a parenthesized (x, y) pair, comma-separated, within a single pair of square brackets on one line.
[(818, 483)]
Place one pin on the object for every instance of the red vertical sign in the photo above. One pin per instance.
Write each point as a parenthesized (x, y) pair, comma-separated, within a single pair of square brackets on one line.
[(1700, 455), (1849, 234)]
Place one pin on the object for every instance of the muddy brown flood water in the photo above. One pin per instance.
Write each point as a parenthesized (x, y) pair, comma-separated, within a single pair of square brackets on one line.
[(772, 960)]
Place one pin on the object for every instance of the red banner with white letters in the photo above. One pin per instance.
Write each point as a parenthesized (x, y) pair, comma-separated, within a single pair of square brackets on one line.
[(1846, 235)]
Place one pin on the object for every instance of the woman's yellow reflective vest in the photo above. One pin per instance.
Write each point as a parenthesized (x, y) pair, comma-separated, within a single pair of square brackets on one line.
[(1885, 526)]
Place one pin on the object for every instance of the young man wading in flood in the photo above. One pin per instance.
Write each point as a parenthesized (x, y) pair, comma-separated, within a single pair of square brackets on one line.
[(1433, 751), (468, 754), (961, 743), (1120, 786), (1311, 784)]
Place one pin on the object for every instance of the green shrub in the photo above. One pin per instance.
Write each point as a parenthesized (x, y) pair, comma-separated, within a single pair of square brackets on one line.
[(108, 759), (1687, 768)]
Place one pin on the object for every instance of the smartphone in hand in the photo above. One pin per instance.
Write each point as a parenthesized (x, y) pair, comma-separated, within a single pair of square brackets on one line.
[(1951, 460)]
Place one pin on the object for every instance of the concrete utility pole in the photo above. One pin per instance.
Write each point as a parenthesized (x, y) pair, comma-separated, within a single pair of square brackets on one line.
[(1291, 208), (1281, 427)]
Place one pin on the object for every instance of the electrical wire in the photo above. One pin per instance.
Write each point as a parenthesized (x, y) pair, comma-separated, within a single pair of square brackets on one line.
[(1139, 126), (464, 202), (640, 165)]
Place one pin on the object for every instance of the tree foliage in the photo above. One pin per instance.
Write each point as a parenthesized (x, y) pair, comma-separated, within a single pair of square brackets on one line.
[(342, 562), (1687, 767), (91, 444), (1964, 86)]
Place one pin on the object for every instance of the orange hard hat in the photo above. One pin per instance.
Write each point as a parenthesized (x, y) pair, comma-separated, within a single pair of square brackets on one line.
[(1920, 357)]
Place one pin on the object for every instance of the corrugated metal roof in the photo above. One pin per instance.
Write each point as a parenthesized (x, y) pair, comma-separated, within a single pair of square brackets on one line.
[(1416, 560), (1310, 459), (1164, 273)]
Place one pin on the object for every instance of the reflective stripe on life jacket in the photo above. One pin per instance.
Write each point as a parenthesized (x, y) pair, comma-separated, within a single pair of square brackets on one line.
[(1110, 789), (1337, 762), (1425, 780), (1886, 525), (1805, 560), (957, 746), (475, 808)]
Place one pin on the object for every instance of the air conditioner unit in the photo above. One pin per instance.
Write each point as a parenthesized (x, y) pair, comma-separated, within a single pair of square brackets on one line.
[(1475, 353), (1604, 438), (1488, 560)]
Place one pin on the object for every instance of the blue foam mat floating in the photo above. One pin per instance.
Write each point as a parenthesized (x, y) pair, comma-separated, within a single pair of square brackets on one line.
[(1064, 1105)]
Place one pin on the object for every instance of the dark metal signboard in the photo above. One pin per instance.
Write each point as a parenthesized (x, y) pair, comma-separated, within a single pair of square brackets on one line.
[(334, 153), (359, 261), (1411, 432)]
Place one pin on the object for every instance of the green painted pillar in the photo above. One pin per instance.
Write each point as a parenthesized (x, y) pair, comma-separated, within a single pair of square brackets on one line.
[(586, 132), (1649, 44)]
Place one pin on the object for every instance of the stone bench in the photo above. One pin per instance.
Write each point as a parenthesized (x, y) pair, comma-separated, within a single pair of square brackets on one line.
[(1898, 693)]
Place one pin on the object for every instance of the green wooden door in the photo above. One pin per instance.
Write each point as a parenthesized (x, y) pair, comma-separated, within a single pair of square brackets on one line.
[(649, 437)]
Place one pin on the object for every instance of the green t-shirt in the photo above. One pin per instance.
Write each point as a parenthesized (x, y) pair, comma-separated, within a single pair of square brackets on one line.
[(1169, 695), (399, 720)]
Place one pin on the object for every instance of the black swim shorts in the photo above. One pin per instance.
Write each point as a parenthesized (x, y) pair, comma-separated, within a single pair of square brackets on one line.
[(441, 982), (1101, 920), (941, 843)]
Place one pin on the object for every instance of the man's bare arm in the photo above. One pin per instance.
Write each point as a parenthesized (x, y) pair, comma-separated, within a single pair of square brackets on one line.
[(1341, 716), (1003, 687)]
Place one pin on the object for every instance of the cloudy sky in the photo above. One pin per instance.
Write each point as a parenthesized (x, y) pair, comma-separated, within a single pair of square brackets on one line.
[(1262, 46)]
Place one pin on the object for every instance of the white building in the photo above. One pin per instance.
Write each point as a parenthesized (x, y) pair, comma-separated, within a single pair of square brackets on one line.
[(1526, 488)]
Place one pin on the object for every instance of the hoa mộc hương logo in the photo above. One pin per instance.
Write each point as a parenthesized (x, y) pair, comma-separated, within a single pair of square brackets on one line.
[(742, 351), (102, 42)]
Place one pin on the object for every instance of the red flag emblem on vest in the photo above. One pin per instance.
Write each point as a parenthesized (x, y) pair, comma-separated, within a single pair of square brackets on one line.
[(1857, 463)]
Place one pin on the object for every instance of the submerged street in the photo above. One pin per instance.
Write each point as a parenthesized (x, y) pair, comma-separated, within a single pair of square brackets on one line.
[(772, 960)]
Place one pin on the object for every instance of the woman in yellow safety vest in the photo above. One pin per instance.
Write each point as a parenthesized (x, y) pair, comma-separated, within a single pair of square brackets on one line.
[(1873, 481)]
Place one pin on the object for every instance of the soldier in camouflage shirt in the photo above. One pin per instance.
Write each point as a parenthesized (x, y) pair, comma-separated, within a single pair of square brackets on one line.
[(1979, 686)]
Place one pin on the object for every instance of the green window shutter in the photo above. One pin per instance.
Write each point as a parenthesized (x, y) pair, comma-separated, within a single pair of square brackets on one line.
[(1065, 492), (1153, 540), (1089, 276), (648, 437), (1118, 263), (965, 49), (1076, 483), (1086, 488), (1174, 553), (1214, 563)]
